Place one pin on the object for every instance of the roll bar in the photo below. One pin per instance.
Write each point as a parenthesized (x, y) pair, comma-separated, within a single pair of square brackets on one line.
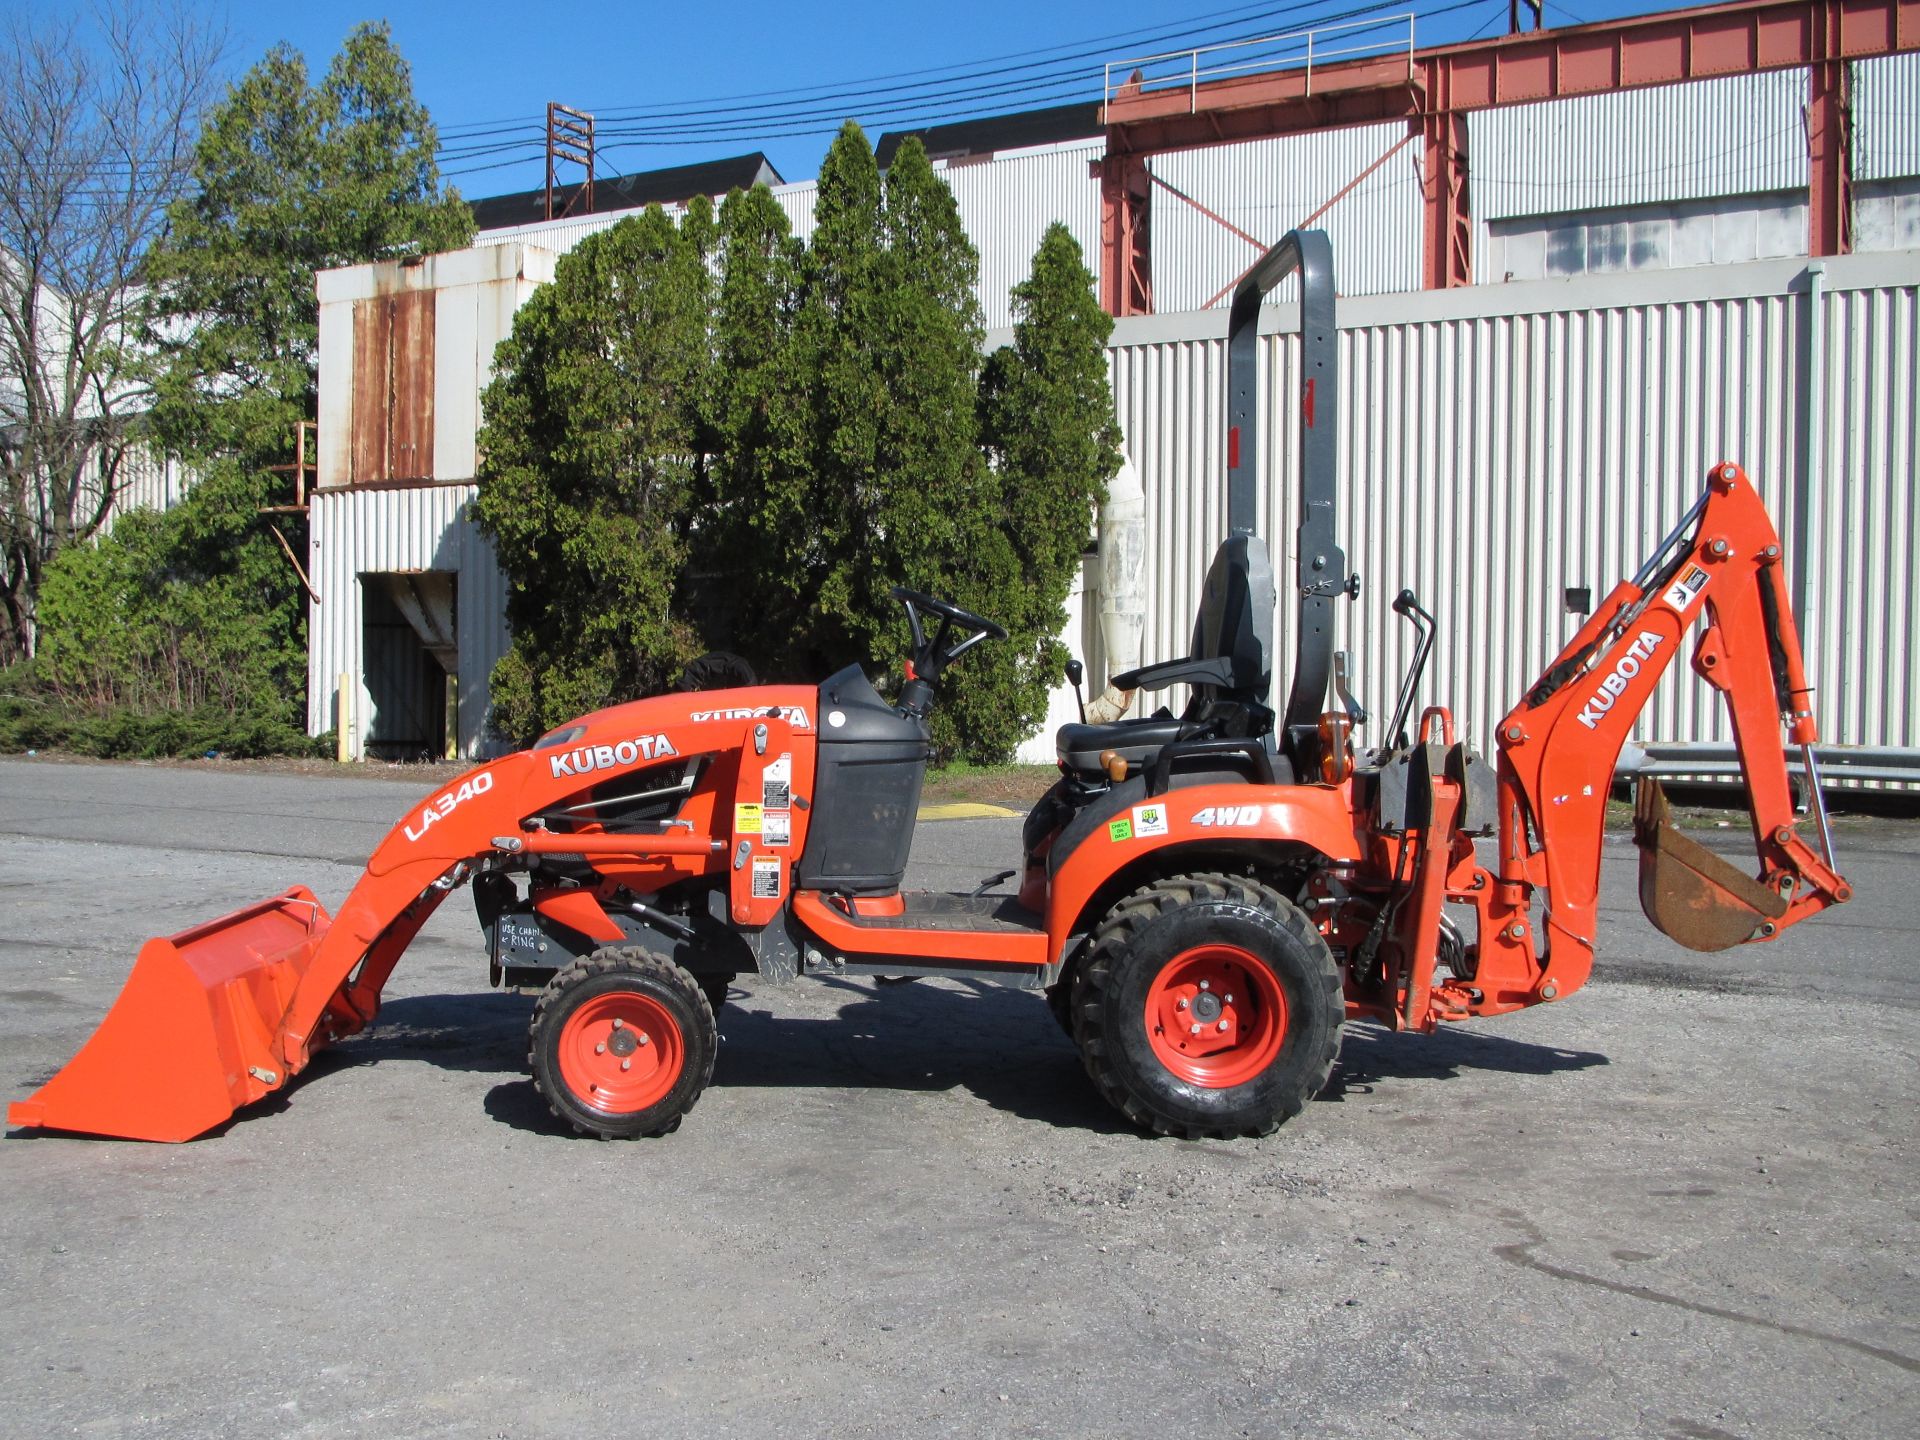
[(1320, 571)]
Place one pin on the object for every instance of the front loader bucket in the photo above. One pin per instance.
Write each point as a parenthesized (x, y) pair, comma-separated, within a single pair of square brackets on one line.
[(1690, 893), (192, 1037)]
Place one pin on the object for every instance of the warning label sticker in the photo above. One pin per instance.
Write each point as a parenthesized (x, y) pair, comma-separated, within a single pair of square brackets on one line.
[(746, 819), (776, 784), (1683, 591), (776, 826), (766, 878)]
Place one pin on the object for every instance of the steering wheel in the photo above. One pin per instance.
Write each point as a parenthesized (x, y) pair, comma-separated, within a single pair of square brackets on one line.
[(930, 660)]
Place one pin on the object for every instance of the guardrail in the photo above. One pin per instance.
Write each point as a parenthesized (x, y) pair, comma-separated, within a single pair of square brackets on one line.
[(1882, 764), (1324, 45)]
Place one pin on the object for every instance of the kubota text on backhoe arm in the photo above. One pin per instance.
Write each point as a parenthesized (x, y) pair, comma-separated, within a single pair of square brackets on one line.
[(1559, 746)]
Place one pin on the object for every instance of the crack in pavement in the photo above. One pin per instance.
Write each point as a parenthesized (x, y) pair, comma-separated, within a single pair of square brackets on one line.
[(1522, 1255)]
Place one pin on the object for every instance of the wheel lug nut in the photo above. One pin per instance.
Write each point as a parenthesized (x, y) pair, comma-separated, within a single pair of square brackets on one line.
[(1194, 1031), (1229, 1000), (618, 1023), (1206, 984), (1221, 1026), (643, 1037), (626, 1064), (1181, 1005), (601, 1048)]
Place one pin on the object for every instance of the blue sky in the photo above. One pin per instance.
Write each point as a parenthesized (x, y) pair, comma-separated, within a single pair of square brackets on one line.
[(486, 69)]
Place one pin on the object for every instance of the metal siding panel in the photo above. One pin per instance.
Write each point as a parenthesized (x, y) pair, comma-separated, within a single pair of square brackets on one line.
[(1491, 461), (1886, 117), (1267, 187), (1007, 204), (1861, 583), (414, 528), (333, 436), (798, 201), (456, 368), (1739, 135)]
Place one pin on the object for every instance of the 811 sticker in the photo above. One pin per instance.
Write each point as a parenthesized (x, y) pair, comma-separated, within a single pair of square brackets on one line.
[(1149, 819)]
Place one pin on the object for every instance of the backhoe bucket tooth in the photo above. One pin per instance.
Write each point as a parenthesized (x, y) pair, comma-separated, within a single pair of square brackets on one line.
[(1689, 893), (195, 1032)]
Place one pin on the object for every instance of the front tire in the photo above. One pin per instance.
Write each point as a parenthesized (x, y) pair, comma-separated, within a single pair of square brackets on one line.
[(1208, 1005), (622, 1043)]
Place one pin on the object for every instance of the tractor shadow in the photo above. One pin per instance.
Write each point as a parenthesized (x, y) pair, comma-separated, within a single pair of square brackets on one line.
[(1371, 1056), (998, 1044)]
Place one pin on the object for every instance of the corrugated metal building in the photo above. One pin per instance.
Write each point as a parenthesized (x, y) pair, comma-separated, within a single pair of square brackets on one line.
[(1503, 446), (405, 349), (1504, 442)]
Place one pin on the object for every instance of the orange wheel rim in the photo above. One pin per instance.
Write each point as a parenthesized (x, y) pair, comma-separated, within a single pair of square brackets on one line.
[(1216, 1017), (621, 1052)]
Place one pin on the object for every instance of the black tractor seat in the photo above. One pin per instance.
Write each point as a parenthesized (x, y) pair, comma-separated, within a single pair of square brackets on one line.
[(1230, 671), (1081, 747)]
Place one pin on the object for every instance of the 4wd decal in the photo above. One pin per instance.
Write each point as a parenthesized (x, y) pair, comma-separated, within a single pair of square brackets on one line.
[(1624, 669), (794, 715), (442, 805), (1235, 816), (589, 758)]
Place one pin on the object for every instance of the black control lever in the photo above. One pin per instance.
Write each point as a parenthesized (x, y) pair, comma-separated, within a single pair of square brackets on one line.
[(1407, 606), (1076, 672)]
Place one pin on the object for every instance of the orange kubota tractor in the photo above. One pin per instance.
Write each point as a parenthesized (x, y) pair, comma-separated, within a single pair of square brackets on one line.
[(1204, 897)]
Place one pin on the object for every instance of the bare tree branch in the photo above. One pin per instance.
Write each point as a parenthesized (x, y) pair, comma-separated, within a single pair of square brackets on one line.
[(97, 130)]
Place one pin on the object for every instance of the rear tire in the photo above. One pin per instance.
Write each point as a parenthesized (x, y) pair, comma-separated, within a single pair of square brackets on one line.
[(1208, 1005), (622, 1043)]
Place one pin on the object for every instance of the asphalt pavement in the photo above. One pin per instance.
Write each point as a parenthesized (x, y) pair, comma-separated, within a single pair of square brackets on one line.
[(1680, 1204)]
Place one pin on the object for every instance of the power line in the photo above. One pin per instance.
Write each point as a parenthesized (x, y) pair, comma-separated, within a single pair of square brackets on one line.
[(791, 116)]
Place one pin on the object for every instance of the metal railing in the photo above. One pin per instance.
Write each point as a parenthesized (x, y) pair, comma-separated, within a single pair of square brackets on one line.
[(1297, 49)]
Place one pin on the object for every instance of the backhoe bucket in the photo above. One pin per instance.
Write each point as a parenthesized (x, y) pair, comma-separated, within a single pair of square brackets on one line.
[(1690, 893), (194, 1034)]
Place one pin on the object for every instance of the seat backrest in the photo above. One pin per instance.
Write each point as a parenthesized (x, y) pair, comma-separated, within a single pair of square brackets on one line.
[(1236, 622)]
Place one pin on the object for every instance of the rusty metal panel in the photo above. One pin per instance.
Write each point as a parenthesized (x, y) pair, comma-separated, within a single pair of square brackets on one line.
[(372, 388), (393, 354), (411, 446)]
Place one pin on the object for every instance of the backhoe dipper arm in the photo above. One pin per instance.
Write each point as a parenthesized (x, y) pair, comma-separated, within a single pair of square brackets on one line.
[(1559, 746)]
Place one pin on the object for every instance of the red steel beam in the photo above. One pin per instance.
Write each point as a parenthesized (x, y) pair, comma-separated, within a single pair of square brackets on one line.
[(1740, 38)]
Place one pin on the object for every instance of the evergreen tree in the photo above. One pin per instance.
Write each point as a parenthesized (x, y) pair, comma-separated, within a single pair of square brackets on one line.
[(759, 426), (937, 525), (589, 471), (1047, 424), (290, 178)]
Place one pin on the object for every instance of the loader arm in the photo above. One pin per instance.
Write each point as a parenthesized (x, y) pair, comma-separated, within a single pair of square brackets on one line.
[(217, 1017), (1558, 748)]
